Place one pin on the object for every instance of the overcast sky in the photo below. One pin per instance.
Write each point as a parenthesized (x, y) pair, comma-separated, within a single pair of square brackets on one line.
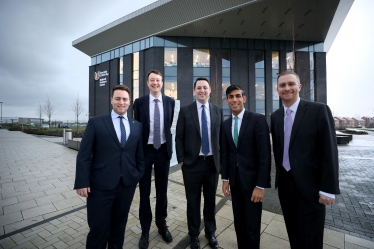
[(37, 58)]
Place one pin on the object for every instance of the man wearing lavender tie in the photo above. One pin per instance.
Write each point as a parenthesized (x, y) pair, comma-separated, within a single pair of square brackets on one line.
[(155, 111), (306, 158)]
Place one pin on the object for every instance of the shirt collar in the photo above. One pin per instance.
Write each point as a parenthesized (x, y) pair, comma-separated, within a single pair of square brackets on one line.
[(115, 115), (151, 98), (240, 115), (199, 105), (292, 107)]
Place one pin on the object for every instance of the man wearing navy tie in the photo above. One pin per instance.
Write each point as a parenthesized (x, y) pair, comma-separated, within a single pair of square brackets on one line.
[(198, 152), (110, 163), (155, 111), (307, 166)]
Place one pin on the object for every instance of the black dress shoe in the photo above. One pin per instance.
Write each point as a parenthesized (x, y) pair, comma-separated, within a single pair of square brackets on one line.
[(195, 243), (144, 241), (166, 235), (213, 243)]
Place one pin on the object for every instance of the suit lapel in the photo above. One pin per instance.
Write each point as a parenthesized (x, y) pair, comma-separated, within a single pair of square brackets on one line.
[(109, 125), (132, 130), (299, 116), (243, 126), (213, 118), (280, 119), (166, 113), (228, 130), (193, 110)]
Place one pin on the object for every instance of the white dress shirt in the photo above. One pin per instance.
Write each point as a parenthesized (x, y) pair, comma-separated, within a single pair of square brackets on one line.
[(207, 112), (293, 108), (152, 116), (116, 122)]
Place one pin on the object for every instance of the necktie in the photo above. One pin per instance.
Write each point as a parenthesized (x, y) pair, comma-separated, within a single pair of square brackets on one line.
[(204, 132), (156, 127), (287, 136), (236, 131), (123, 131)]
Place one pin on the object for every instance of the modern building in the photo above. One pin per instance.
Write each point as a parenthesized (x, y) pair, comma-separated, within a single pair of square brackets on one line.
[(244, 42)]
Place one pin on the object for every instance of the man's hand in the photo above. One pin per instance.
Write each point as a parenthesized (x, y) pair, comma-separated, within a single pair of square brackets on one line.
[(83, 192), (226, 188), (257, 195), (323, 199)]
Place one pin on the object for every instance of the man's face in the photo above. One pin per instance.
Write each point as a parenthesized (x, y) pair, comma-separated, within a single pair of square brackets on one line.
[(155, 83), (288, 88), (120, 101), (235, 100), (202, 91)]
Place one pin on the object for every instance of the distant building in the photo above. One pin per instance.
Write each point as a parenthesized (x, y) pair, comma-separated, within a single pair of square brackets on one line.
[(369, 121), (359, 122), (337, 124), (342, 123), (350, 122), (29, 121)]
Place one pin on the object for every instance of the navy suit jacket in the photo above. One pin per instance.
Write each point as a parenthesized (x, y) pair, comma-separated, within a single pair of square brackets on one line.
[(312, 151), (252, 158), (101, 161), (141, 113)]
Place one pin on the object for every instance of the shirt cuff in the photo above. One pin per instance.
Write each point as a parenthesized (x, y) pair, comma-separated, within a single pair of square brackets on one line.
[(260, 187), (225, 180), (327, 194)]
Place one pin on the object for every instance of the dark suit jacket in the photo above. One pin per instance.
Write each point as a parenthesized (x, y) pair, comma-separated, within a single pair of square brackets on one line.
[(312, 151), (101, 161), (252, 158), (141, 113), (188, 138)]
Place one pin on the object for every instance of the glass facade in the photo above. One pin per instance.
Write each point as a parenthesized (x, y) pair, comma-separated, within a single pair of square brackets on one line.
[(275, 72), (290, 59), (201, 64), (311, 58), (135, 77), (226, 82), (170, 72), (260, 81), (121, 71)]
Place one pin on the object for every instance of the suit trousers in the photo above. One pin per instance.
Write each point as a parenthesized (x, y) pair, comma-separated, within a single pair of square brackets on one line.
[(107, 212), (201, 175), (247, 216), (161, 165), (304, 219)]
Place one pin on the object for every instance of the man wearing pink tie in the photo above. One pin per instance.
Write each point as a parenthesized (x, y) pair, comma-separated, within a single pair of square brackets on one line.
[(306, 158)]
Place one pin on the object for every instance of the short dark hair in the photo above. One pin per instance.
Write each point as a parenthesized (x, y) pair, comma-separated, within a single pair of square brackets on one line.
[(155, 72), (287, 73), (200, 78), (122, 88), (233, 88)]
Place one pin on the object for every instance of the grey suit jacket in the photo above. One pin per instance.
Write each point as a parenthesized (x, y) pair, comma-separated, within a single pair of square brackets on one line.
[(188, 138)]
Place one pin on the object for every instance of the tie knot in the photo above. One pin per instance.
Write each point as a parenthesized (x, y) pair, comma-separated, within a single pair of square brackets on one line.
[(120, 117), (203, 106), (288, 111), (156, 100), (236, 117)]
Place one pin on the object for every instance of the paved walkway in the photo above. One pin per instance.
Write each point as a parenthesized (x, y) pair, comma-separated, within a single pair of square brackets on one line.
[(39, 208)]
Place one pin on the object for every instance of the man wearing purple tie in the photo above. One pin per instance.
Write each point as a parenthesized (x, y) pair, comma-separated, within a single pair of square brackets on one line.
[(306, 158)]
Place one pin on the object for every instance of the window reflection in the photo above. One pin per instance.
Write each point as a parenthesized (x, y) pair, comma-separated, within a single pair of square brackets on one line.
[(275, 72), (170, 57), (171, 89), (290, 61), (135, 76), (121, 71), (201, 58), (260, 81)]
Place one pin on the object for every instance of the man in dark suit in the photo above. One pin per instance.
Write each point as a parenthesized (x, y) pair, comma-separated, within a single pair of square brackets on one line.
[(198, 152), (246, 164), (155, 111), (110, 163), (306, 158)]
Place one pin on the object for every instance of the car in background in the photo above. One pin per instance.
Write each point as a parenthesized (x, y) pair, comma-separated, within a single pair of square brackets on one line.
[(45, 126), (64, 126)]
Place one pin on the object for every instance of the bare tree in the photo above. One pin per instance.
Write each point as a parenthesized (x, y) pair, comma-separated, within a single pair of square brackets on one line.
[(39, 113), (77, 108), (48, 110)]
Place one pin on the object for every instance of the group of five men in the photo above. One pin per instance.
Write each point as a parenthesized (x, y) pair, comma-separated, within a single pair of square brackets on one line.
[(118, 151)]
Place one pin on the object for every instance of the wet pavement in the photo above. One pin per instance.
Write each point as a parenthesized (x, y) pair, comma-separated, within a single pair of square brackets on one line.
[(40, 209)]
